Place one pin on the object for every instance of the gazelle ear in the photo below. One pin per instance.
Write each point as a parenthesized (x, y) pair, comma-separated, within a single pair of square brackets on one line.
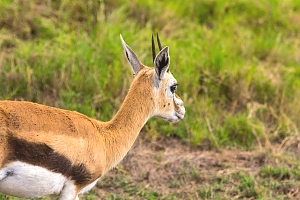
[(161, 63), (131, 57)]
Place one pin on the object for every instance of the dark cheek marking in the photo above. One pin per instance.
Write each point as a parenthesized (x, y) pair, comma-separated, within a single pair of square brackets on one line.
[(168, 104), (42, 155)]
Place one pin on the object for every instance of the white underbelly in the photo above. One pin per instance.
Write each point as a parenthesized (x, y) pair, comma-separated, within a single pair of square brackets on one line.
[(88, 187), (27, 181)]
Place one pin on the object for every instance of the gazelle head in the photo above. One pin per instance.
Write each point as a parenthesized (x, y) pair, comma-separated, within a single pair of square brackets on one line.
[(157, 83)]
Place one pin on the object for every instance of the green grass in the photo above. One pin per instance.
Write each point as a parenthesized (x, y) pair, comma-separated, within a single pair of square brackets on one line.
[(225, 55), (266, 183), (236, 62)]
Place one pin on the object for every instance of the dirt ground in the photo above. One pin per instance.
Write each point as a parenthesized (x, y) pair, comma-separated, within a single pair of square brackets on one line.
[(173, 169)]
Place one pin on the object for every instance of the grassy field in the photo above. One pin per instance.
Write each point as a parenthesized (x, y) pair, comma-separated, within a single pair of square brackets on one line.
[(236, 62)]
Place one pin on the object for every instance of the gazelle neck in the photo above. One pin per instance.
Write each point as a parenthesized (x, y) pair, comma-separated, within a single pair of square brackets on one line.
[(126, 125)]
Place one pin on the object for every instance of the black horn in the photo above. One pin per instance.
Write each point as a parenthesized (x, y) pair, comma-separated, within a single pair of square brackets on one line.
[(153, 49), (158, 41)]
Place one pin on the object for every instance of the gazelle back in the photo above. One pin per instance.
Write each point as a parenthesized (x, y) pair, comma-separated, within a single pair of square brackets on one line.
[(46, 150)]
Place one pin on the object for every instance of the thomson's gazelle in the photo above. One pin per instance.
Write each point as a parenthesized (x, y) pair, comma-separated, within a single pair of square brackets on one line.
[(46, 150)]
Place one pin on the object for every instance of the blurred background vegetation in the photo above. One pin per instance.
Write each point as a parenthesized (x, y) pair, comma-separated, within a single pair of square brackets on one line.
[(236, 61)]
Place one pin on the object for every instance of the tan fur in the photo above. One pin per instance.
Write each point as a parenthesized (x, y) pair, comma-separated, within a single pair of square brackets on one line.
[(62, 129), (98, 145), (69, 133)]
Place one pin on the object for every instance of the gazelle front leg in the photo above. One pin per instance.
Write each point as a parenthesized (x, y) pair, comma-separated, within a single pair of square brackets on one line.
[(69, 192)]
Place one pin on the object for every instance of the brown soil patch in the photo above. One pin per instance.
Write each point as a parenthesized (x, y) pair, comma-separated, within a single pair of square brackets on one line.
[(173, 169)]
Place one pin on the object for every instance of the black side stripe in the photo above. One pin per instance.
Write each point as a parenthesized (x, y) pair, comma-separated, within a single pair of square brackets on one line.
[(42, 155)]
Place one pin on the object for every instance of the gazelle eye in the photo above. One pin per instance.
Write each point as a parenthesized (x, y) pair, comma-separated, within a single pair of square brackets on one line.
[(173, 88)]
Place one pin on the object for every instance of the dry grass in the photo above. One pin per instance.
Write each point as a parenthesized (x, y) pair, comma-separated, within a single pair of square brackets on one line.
[(237, 64), (172, 169)]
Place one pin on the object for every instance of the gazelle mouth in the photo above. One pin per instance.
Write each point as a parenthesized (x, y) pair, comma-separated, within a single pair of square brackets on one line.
[(180, 116)]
